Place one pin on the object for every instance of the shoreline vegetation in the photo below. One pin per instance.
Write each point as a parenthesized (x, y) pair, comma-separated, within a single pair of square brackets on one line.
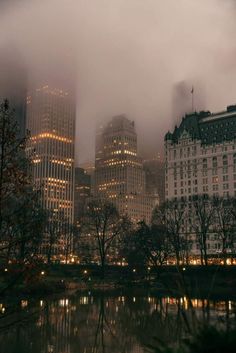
[(197, 282)]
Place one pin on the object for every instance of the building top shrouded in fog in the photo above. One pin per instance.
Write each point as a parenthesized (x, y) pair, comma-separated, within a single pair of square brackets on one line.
[(186, 98), (119, 173), (13, 84), (51, 121)]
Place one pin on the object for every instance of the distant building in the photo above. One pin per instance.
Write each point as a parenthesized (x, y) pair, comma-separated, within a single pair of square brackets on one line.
[(13, 85), (119, 173), (82, 193), (51, 121), (186, 98), (200, 159), (89, 169), (155, 177)]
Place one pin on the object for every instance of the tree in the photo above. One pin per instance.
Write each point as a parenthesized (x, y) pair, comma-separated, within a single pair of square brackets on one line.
[(203, 215), (171, 215), (70, 234), (21, 214), (224, 225), (103, 221), (148, 245)]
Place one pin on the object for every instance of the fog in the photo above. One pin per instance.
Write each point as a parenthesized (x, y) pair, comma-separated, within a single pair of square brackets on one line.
[(128, 56)]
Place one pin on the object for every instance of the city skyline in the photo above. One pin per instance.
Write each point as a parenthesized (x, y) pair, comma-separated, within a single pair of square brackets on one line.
[(128, 57)]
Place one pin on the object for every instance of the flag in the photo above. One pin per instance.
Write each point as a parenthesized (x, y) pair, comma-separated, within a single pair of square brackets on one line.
[(192, 90)]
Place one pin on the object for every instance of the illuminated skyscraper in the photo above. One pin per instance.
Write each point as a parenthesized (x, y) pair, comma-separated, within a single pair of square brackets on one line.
[(119, 173), (51, 121)]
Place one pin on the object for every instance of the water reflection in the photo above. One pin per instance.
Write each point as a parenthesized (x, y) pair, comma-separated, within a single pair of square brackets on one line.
[(107, 324)]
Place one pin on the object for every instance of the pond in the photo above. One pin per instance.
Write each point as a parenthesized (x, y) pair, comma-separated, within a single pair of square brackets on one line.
[(92, 322)]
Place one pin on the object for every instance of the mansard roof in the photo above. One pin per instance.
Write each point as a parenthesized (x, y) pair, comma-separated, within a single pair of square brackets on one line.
[(207, 127)]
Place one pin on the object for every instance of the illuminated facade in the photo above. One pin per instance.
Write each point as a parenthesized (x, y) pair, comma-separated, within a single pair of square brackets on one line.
[(119, 173), (51, 122), (200, 159), (82, 193)]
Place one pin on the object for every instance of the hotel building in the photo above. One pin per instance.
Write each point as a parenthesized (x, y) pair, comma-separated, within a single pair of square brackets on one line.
[(200, 159)]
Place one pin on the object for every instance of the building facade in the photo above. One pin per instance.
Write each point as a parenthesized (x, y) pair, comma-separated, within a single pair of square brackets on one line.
[(200, 159), (155, 177), (82, 193), (51, 122), (119, 173)]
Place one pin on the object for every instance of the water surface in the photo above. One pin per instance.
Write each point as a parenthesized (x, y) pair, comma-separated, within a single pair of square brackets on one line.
[(101, 323)]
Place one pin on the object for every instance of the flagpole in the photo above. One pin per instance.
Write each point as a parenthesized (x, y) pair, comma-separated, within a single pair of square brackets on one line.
[(192, 92)]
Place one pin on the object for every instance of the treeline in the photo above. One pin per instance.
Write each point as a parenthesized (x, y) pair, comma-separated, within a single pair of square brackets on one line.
[(179, 232)]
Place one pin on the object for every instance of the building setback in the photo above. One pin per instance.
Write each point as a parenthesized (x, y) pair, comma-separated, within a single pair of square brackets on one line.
[(119, 173), (51, 121)]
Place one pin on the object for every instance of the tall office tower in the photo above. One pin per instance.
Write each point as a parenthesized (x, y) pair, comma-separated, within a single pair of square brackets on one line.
[(82, 193), (200, 158), (119, 173), (51, 121), (155, 177), (13, 85)]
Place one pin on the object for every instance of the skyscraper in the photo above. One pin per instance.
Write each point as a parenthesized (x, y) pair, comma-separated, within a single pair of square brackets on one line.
[(119, 173), (51, 121)]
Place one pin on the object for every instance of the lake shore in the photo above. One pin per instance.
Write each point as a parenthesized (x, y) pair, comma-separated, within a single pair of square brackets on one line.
[(214, 281)]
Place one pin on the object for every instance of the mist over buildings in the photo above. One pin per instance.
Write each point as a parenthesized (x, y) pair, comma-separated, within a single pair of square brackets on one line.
[(127, 56)]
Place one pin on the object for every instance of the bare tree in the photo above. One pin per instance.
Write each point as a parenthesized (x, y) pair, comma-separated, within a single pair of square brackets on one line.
[(21, 214), (203, 216), (103, 221), (149, 243), (171, 216), (225, 224)]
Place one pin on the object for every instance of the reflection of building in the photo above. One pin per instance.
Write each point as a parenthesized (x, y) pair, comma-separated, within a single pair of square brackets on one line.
[(119, 173), (13, 84), (201, 157), (155, 177), (82, 192), (51, 121)]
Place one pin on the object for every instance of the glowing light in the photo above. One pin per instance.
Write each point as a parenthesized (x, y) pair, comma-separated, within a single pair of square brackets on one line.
[(48, 135)]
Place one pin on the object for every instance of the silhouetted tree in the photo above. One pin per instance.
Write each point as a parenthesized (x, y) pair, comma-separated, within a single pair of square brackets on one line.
[(21, 214), (224, 224), (203, 217), (103, 221), (170, 215)]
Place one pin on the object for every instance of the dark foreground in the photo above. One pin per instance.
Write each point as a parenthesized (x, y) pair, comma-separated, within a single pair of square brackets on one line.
[(127, 320)]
